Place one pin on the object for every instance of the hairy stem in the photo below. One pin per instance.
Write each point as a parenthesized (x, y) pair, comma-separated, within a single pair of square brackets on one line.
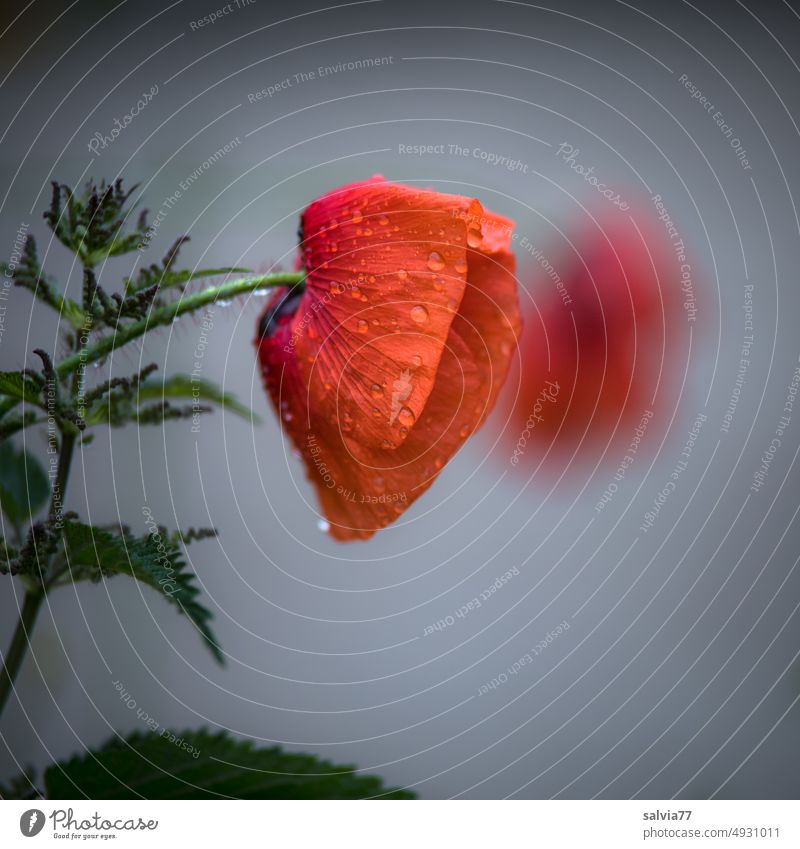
[(19, 643), (165, 315)]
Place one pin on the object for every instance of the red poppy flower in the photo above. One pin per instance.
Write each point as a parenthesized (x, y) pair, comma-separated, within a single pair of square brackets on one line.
[(598, 351), (394, 350)]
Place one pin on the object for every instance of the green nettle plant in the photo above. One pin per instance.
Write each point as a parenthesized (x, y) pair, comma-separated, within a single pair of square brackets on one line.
[(46, 546)]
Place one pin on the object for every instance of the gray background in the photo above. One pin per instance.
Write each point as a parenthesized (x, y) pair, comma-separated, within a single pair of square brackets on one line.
[(679, 675)]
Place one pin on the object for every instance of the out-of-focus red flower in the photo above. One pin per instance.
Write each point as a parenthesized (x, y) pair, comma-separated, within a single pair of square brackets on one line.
[(600, 342), (394, 351)]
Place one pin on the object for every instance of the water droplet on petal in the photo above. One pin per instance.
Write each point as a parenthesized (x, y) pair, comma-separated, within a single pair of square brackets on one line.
[(376, 390), (406, 416), (435, 261), (461, 266), (474, 237), (416, 360), (363, 326), (383, 221), (464, 432), (438, 284), (402, 274), (355, 292), (357, 216), (419, 314)]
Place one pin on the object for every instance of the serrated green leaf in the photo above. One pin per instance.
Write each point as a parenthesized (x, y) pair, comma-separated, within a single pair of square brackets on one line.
[(24, 487), (17, 386), (193, 389), (95, 553), (205, 765)]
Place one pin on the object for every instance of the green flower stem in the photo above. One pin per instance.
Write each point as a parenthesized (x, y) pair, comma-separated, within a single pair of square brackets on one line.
[(19, 643), (167, 313)]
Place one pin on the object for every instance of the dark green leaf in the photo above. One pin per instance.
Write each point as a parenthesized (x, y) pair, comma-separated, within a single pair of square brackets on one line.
[(24, 487), (205, 765), (96, 553), (16, 385), (20, 787)]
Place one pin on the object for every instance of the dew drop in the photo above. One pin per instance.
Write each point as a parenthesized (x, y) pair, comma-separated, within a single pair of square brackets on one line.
[(464, 431), (416, 360), (383, 221), (357, 216), (363, 326), (438, 284), (461, 266), (355, 292), (435, 261), (376, 390), (419, 314), (402, 274), (405, 415), (474, 237)]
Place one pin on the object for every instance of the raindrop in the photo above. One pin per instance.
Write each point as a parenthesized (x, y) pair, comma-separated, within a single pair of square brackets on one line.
[(419, 314), (435, 261), (376, 390), (363, 326), (461, 266), (405, 415), (474, 237), (357, 216)]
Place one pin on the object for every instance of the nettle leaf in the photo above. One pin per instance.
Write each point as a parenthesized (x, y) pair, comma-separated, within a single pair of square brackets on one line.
[(20, 787), (15, 385), (193, 389), (205, 765), (93, 553), (24, 487)]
